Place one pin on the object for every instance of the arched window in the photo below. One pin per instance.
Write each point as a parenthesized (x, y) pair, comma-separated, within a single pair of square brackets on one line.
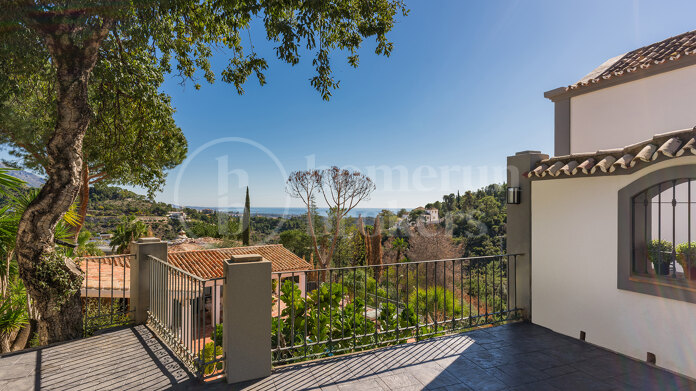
[(657, 234)]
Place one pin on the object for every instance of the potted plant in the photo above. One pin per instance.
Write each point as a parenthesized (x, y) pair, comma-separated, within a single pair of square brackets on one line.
[(660, 254), (686, 256)]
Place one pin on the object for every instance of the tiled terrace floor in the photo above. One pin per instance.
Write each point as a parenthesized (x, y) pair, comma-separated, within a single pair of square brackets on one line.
[(513, 357), (126, 359), (518, 356)]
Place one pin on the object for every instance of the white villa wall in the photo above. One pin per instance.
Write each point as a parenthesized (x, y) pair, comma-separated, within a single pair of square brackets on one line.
[(618, 116), (574, 274)]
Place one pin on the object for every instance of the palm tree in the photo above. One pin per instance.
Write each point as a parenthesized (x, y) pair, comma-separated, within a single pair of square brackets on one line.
[(127, 231), (14, 302), (401, 245), (85, 247)]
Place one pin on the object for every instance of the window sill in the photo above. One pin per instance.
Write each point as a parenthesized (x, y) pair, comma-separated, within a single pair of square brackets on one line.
[(688, 285)]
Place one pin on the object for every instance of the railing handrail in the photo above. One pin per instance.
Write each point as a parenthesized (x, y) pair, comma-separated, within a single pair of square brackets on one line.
[(178, 269), (106, 256), (401, 263)]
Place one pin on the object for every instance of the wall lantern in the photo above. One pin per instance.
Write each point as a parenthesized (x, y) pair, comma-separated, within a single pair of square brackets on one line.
[(513, 195)]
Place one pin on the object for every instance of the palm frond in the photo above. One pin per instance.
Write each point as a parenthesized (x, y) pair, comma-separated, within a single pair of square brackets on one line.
[(8, 182)]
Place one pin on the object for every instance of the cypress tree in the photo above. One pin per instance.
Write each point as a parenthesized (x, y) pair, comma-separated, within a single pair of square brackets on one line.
[(246, 220)]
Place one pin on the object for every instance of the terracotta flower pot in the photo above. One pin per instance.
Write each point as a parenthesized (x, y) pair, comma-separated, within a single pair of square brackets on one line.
[(690, 272)]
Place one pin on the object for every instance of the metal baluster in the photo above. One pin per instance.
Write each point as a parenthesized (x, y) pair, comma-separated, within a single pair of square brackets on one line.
[(305, 315), (674, 229), (398, 318), (461, 291), (318, 307), (515, 276), (468, 267), (86, 314), (387, 303), (501, 282), (485, 290), (214, 318), (426, 296), (407, 294), (507, 299), (292, 313), (99, 310), (688, 254), (453, 315), (435, 303), (365, 289), (355, 309), (279, 321), (330, 310), (659, 228), (343, 308), (417, 299)]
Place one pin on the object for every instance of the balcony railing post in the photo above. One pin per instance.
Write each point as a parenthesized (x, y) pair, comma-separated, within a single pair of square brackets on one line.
[(519, 230), (246, 321), (140, 275)]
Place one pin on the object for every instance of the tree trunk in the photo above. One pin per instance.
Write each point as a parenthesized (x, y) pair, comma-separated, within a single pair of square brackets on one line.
[(84, 200), (54, 281), (22, 339), (313, 234)]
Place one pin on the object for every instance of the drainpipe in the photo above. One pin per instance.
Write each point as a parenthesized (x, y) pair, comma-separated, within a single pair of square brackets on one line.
[(519, 230)]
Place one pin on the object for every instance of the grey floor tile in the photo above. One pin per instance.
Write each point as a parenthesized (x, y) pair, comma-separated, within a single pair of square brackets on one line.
[(401, 380)]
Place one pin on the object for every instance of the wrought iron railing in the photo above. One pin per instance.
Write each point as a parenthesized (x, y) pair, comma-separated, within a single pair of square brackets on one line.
[(324, 312), (185, 311), (105, 292)]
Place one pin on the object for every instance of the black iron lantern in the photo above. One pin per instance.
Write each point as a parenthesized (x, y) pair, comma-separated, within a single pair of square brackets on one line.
[(513, 195)]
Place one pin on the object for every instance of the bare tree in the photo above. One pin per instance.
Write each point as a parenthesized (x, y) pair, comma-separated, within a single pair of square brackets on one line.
[(342, 191), (304, 185), (430, 243)]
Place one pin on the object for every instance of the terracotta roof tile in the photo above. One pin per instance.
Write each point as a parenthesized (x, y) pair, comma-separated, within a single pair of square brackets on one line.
[(105, 272), (671, 49), (208, 263), (666, 146), (203, 263)]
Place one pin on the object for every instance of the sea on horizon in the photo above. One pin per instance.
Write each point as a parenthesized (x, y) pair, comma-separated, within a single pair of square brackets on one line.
[(295, 211)]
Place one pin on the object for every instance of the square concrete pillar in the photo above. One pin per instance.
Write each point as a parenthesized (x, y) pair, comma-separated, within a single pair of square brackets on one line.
[(247, 318), (140, 274), (519, 230)]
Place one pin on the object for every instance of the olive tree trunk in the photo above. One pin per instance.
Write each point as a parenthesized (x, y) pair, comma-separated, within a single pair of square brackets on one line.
[(54, 281)]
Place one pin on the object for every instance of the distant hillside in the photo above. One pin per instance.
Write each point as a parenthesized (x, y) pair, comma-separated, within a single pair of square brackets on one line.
[(32, 180), (114, 201)]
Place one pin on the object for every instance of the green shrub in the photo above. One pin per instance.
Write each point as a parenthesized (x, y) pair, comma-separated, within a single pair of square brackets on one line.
[(687, 253), (217, 336), (659, 251), (208, 355)]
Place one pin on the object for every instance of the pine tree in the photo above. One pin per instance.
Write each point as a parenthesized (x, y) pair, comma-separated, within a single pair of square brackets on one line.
[(246, 220)]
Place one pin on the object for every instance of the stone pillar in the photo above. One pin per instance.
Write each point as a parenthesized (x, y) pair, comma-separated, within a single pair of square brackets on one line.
[(519, 230), (247, 318), (140, 274)]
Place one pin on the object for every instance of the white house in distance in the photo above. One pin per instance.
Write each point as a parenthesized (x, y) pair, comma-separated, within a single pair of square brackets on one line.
[(609, 223), (428, 216)]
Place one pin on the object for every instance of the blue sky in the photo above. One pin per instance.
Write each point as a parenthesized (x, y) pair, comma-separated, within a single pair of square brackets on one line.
[(462, 90)]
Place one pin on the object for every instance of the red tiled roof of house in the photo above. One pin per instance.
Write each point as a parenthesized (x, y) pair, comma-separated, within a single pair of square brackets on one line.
[(621, 160), (208, 263), (105, 272), (99, 273), (663, 52)]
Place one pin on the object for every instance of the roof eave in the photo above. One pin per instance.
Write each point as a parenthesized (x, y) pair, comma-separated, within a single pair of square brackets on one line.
[(562, 93)]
